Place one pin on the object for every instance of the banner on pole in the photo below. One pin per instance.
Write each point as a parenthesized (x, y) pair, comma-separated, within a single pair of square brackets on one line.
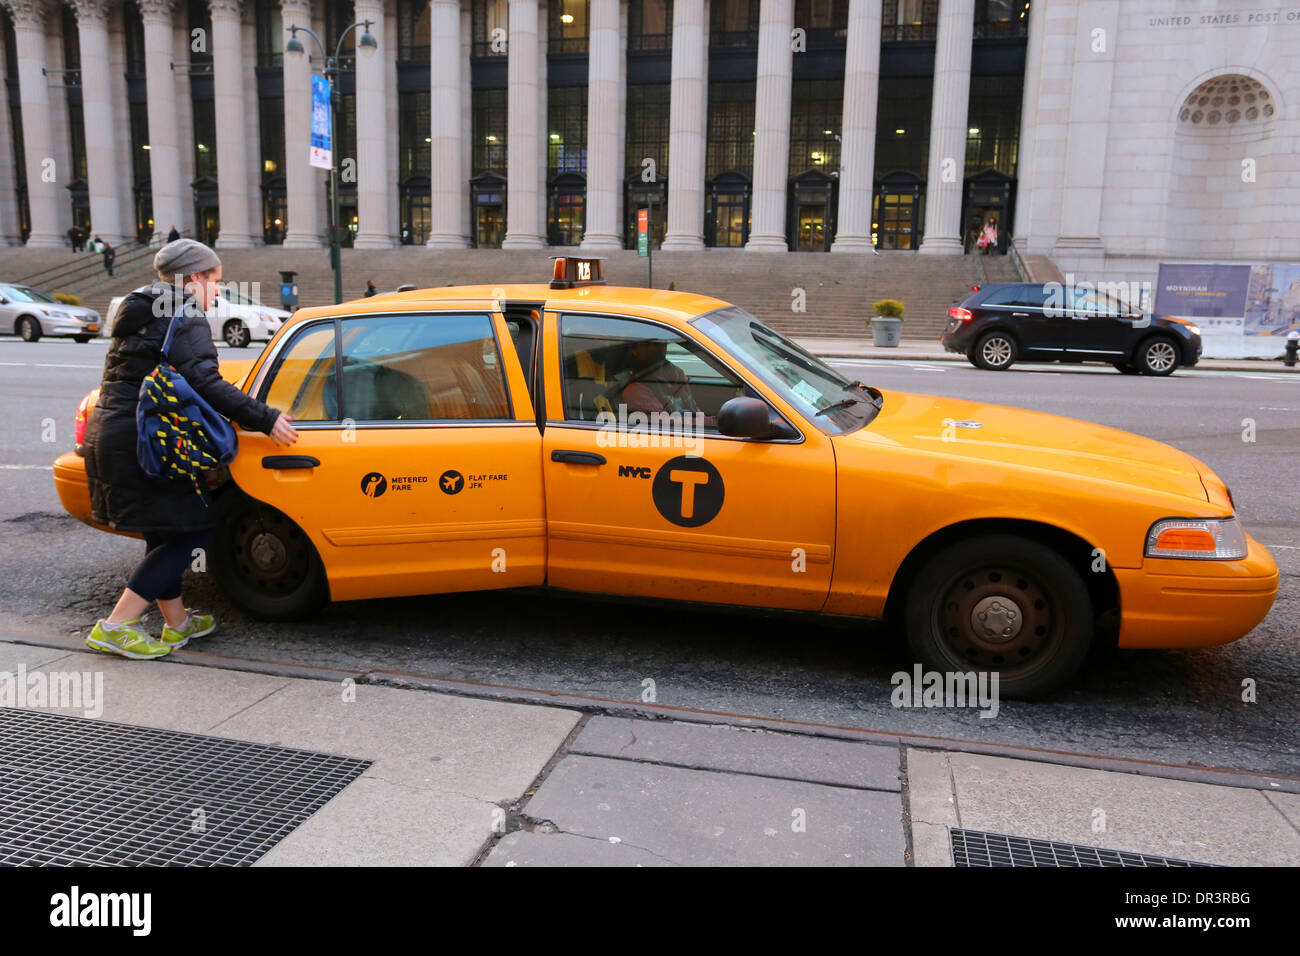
[(642, 232), (320, 123)]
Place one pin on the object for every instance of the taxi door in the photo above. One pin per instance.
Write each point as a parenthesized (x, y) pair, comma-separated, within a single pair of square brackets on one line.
[(416, 473), (674, 512)]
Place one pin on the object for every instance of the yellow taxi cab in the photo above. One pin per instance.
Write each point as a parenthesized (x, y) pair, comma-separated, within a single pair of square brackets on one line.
[(660, 444)]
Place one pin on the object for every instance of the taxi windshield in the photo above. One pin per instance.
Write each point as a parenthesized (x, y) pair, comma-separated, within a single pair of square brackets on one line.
[(822, 395)]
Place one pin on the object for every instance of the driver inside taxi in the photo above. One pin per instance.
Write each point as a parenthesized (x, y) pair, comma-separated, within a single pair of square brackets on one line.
[(654, 384)]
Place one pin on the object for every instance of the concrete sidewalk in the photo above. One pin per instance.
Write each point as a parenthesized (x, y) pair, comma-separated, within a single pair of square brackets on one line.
[(466, 780), (929, 350)]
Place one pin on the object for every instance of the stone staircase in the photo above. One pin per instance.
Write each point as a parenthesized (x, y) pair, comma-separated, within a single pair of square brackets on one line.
[(838, 289)]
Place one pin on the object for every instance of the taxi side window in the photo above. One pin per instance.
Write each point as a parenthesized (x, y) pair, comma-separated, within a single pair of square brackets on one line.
[(302, 374), (619, 366), (415, 367)]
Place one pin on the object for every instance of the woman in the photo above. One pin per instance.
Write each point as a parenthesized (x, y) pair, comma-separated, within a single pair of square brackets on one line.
[(174, 520), (989, 237)]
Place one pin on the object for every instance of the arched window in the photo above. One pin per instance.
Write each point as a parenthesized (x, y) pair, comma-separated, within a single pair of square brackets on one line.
[(1232, 100)]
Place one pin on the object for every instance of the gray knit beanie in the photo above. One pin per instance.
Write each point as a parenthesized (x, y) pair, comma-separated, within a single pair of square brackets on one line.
[(184, 257)]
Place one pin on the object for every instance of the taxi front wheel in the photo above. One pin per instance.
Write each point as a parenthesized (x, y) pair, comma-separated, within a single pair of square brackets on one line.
[(264, 562), (1001, 603)]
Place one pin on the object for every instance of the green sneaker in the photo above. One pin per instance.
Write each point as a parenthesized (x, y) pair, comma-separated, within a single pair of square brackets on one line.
[(126, 641), (196, 625)]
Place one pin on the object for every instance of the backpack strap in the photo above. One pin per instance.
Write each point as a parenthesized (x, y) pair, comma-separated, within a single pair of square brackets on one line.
[(167, 339)]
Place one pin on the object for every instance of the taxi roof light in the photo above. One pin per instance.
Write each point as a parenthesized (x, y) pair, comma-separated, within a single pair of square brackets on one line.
[(570, 272)]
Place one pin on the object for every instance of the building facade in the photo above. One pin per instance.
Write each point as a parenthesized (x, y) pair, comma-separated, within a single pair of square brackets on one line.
[(763, 125)]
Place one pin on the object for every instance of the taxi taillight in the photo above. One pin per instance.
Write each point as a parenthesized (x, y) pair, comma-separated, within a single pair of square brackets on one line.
[(79, 423), (960, 314)]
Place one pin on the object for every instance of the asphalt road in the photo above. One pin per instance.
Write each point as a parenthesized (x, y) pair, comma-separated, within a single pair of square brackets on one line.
[(58, 576)]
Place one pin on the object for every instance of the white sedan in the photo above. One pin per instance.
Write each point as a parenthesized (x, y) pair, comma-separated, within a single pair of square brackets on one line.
[(236, 319)]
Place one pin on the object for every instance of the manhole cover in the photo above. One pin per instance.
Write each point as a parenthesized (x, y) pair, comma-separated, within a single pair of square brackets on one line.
[(977, 848), (77, 792)]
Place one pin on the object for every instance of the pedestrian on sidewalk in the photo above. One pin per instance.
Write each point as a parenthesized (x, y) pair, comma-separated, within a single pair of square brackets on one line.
[(370, 289), (96, 244), (173, 235), (175, 521), (110, 256)]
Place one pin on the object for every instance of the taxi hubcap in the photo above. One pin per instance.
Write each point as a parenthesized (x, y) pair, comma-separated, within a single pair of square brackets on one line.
[(267, 552), (270, 552), (995, 617)]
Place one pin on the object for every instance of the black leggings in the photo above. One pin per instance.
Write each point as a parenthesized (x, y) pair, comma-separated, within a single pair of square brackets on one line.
[(158, 576)]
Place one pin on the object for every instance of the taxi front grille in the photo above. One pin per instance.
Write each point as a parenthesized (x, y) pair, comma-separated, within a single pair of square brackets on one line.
[(76, 792), (978, 848)]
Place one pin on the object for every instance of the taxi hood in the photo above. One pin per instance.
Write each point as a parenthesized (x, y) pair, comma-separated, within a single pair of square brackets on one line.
[(1015, 438)]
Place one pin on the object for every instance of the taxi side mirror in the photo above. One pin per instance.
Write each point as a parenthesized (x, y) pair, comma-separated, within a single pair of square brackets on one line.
[(751, 418)]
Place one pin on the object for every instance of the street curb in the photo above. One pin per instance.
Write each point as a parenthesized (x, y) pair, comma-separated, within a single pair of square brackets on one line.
[(589, 704)]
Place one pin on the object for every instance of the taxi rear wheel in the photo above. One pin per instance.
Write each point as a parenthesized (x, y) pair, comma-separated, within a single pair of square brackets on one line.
[(265, 563), (1001, 603)]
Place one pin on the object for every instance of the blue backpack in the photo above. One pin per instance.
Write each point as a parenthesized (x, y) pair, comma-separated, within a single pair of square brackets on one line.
[(178, 434)]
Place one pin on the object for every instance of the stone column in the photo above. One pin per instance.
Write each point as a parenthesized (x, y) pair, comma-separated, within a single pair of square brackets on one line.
[(228, 106), (604, 119), (772, 126), (858, 128), (1029, 127), (527, 161), (448, 188), (1079, 239), (97, 115), (948, 110), (687, 114), (373, 220), (10, 226), (44, 178), (303, 228)]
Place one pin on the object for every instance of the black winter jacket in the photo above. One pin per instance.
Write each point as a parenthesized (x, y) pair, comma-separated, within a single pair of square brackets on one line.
[(122, 496)]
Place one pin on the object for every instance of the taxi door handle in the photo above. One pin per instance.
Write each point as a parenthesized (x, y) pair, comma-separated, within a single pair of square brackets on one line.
[(577, 457), (280, 462)]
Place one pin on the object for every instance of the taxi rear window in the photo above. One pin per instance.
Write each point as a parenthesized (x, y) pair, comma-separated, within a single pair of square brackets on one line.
[(410, 367)]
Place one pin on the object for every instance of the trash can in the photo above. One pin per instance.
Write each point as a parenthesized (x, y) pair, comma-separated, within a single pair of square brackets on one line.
[(885, 331), (288, 290)]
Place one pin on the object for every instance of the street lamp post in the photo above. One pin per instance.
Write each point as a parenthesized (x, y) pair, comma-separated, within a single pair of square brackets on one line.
[(368, 46)]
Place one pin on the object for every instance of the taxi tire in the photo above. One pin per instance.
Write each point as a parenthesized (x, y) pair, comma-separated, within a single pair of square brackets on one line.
[(1009, 349), (300, 592), (1029, 573)]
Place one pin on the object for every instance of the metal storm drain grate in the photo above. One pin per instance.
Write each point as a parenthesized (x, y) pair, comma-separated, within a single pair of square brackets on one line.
[(977, 848), (77, 792)]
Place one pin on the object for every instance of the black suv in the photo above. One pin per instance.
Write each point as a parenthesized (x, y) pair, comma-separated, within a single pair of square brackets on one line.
[(1051, 322)]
